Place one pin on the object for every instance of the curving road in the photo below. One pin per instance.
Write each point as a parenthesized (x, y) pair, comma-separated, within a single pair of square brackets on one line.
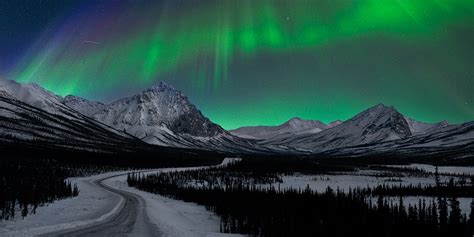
[(130, 220), (129, 217)]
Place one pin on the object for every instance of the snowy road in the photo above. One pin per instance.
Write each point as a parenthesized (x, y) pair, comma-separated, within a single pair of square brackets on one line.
[(107, 206), (130, 220)]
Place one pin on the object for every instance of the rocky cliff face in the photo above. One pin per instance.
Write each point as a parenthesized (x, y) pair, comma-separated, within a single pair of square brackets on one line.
[(161, 107)]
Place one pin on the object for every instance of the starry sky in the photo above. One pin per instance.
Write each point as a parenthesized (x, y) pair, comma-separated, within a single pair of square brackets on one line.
[(251, 62)]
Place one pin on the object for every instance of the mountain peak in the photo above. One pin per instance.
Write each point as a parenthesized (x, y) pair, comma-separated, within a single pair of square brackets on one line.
[(162, 86), (291, 127), (161, 91), (381, 117), (377, 110), (379, 123), (73, 98), (299, 124), (443, 123), (159, 108), (32, 94), (381, 107), (335, 123), (295, 119), (83, 106)]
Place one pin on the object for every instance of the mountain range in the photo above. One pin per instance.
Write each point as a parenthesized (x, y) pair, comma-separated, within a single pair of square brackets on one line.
[(380, 129), (292, 127), (164, 116)]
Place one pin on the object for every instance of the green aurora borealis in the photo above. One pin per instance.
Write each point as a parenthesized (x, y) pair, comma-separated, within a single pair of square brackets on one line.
[(252, 62)]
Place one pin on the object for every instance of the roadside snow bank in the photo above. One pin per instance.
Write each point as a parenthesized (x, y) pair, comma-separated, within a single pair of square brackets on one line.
[(93, 204), (175, 217)]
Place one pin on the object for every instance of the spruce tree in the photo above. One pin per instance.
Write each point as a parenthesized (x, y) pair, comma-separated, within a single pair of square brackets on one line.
[(455, 215), (443, 211), (437, 177), (471, 219), (434, 213)]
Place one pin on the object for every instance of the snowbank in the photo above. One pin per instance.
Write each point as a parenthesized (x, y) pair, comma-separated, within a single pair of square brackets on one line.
[(95, 204)]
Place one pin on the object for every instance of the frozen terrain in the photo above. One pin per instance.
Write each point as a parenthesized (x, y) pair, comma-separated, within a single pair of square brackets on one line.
[(451, 170), (367, 178), (290, 128), (96, 206), (92, 205)]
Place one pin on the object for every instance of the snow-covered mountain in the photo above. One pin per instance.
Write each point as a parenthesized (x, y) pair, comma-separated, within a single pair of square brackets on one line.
[(164, 116), (86, 107), (157, 113), (377, 124), (335, 123), (31, 114), (383, 130), (32, 94), (160, 115), (291, 127), (417, 127), (446, 142)]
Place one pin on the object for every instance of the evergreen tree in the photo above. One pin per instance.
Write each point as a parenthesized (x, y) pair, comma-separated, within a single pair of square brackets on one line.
[(471, 219), (434, 213), (437, 179), (443, 211), (471, 216), (455, 215)]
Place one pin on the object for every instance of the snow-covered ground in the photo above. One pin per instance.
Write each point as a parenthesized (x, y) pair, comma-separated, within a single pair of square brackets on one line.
[(178, 218), (175, 217), (345, 181), (464, 203), (451, 170), (94, 205)]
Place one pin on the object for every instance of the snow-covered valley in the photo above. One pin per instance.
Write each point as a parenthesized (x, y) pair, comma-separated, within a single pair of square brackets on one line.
[(95, 206)]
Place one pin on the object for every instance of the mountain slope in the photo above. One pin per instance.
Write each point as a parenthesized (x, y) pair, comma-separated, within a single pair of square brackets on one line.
[(21, 122), (30, 113), (377, 124), (33, 95), (448, 142), (83, 106), (417, 127), (291, 127), (383, 130), (156, 113), (160, 115), (164, 116)]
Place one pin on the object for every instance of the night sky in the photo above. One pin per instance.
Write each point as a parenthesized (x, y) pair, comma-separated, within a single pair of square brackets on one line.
[(252, 62)]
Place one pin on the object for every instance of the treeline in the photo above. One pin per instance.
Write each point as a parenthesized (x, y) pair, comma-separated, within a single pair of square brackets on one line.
[(288, 165), (250, 171), (415, 172), (212, 177), (450, 190), (31, 179), (27, 184), (248, 209), (411, 171)]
